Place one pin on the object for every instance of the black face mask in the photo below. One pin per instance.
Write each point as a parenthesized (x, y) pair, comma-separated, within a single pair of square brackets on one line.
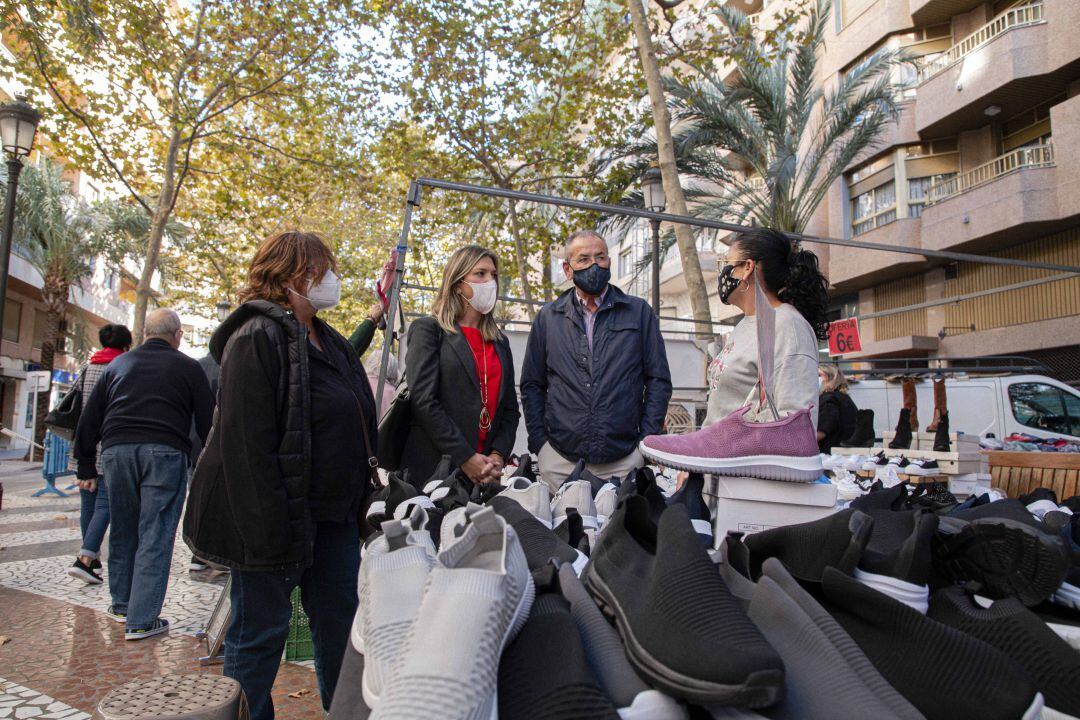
[(727, 283), (593, 279)]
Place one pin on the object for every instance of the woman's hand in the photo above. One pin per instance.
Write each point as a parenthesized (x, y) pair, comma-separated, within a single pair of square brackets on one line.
[(480, 469), (375, 313), (498, 463), (88, 485)]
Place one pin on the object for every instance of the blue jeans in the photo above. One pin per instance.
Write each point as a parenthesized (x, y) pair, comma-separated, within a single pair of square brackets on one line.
[(147, 482), (94, 518), (261, 611)]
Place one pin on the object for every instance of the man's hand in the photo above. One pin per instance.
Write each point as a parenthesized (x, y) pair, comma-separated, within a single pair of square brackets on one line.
[(375, 313), (88, 485)]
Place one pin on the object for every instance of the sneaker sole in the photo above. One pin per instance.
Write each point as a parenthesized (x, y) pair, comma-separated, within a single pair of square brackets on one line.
[(1006, 556), (122, 619), (1067, 595), (765, 467), (653, 705), (146, 633), (80, 574), (761, 688), (921, 472)]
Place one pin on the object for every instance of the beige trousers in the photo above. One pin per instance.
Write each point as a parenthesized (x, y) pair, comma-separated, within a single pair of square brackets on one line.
[(554, 468)]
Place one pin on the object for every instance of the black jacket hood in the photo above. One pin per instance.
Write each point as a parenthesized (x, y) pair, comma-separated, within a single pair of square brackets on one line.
[(240, 316)]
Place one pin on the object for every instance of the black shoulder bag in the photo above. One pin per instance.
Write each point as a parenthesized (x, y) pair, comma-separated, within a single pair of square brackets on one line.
[(64, 418)]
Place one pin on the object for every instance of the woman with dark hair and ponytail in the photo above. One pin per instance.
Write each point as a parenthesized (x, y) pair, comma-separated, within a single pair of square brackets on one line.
[(739, 431), (792, 282)]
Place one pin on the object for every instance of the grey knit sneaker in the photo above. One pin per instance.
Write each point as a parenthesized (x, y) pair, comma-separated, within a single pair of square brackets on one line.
[(397, 534), (533, 496), (477, 597), (575, 494)]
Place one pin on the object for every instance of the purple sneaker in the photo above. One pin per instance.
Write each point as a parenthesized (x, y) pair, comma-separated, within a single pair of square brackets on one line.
[(782, 450)]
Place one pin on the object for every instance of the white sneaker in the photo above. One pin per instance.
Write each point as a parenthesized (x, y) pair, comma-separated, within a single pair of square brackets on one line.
[(607, 497), (476, 599), (576, 494), (391, 587), (533, 496)]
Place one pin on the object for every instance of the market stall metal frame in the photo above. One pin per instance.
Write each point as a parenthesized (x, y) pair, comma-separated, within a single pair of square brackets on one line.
[(414, 199)]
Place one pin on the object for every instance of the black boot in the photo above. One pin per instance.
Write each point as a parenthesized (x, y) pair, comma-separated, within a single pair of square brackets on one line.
[(863, 436), (941, 435), (902, 440)]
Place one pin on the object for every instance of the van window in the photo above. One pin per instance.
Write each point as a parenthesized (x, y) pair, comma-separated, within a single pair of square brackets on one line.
[(1045, 407)]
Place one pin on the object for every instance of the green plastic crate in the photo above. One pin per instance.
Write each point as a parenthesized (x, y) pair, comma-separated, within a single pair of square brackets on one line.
[(298, 645)]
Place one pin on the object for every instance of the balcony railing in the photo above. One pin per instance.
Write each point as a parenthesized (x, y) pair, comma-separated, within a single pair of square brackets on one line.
[(1012, 18), (1034, 156)]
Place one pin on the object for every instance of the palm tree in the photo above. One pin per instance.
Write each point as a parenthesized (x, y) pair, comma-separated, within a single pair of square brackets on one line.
[(766, 147), (60, 235)]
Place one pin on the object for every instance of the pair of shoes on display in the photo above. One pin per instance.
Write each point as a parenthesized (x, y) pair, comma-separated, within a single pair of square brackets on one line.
[(585, 671), (782, 450), (683, 630), (902, 438), (471, 598), (924, 467), (872, 580)]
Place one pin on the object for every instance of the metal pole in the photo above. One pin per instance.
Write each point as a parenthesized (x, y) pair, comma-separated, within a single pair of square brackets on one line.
[(14, 166), (655, 266), (413, 200), (732, 227)]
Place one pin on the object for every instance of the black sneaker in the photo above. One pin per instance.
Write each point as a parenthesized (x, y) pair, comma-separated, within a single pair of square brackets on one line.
[(922, 466), (806, 549), (690, 495), (1039, 493), (567, 687), (897, 560), (120, 617), (197, 565), (877, 461), (81, 571), (525, 468), (1002, 547), (899, 462), (445, 469), (1050, 662), (607, 658), (572, 532), (95, 564), (683, 630), (159, 626), (540, 543), (642, 481), (945, 673)]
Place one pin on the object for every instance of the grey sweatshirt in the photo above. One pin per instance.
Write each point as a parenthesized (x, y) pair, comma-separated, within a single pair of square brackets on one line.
[(733, 374)]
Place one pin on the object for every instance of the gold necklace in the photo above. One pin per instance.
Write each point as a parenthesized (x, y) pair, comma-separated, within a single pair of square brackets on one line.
[(485, 416)]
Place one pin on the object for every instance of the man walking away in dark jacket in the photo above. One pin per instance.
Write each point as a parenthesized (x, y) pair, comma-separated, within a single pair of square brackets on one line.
[(140, 411), (595, 380)]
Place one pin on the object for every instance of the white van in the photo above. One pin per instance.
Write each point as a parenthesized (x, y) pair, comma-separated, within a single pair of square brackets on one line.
[(1002, 405)]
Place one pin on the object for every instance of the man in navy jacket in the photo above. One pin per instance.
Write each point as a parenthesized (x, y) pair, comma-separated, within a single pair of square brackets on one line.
[(141, 411), (595, 380)]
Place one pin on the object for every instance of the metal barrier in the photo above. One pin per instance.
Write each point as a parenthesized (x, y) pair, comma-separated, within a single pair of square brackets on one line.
[(57, 464)]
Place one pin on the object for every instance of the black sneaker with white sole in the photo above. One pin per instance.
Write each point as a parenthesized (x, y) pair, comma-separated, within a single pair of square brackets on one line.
[(81, 571), (120, 617), (690, 495), (159, 626), (197, 565), (877, 461), (923, 466), (899, 462)]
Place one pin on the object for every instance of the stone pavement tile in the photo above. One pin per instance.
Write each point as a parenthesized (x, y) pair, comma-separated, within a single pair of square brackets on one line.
[(18, 524), (36, 537), (76, 655), (21, 702), (63, 548), (44, 512)]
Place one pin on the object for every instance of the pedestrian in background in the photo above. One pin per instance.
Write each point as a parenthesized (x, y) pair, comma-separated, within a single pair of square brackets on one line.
[(460, 372), (94, 492), (836, 410), (595, 379), (140, 411), (277, 493)]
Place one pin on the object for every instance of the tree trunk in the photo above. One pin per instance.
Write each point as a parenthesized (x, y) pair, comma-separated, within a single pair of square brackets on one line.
[(54, 296), (157, 232), (676, 201), (520, 257)]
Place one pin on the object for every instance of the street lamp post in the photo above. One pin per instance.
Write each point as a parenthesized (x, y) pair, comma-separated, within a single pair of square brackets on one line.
[(224, 307), (18, 124), (652, 189)]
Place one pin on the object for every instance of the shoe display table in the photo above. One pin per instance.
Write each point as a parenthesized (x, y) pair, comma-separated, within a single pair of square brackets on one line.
[(1018, 473), (176, 697)]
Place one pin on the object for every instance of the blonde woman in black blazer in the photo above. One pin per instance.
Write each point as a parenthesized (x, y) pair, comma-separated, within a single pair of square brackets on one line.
[(461, 376)]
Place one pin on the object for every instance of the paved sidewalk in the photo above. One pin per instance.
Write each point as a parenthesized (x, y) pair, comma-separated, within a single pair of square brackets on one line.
[(60, 652)]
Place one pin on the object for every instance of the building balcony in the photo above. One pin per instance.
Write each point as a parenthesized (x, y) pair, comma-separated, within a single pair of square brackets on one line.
[(1023, 56), (1036, 156), (931, 12), (854, 268)]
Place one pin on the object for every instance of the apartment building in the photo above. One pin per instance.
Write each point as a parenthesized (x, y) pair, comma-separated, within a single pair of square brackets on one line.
[(983, 160)]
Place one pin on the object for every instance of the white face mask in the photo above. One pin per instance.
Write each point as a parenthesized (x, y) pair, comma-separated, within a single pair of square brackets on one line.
[(484, 296), (324, 294)]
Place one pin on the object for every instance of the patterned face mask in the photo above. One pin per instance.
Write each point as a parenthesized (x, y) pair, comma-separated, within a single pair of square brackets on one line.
[(728, 283)]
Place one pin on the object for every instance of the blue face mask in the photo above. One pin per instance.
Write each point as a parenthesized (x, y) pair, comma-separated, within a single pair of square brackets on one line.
[(593, 279)]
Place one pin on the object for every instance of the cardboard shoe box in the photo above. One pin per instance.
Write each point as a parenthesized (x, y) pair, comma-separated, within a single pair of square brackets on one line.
[(749, 505)]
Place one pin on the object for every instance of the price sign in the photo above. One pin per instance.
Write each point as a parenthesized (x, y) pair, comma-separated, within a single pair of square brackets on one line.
[(844, 336)]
